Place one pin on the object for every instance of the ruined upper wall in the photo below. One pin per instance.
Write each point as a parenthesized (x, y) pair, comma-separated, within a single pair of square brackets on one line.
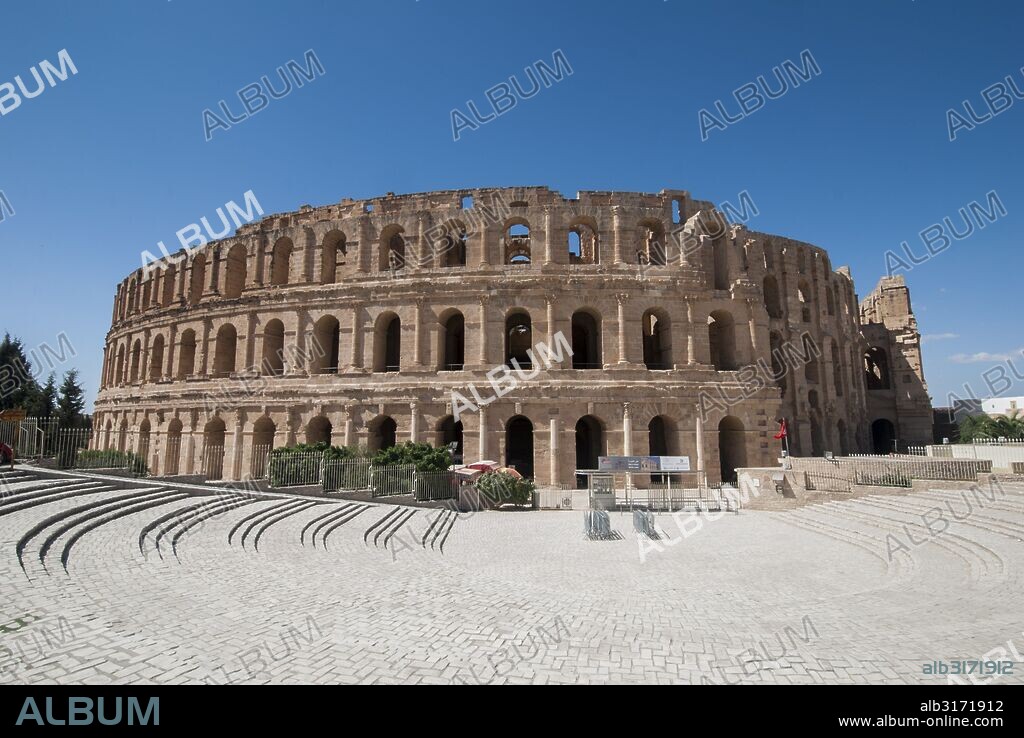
[(889, 304)]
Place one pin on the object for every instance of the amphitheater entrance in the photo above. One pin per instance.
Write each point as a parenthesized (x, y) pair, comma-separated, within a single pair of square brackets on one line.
[(586, 341), (732, 448), (589, 446), (519, 445), (450, 432), (318, 431), (383, 434), (883, 436), (213, 449)]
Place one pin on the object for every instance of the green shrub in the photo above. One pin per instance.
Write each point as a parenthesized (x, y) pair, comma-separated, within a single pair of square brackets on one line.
[(502, 488), (111, 460), (423, 456)]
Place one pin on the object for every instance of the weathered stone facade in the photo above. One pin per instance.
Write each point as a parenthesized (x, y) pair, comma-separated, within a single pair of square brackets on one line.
[(355, 322)]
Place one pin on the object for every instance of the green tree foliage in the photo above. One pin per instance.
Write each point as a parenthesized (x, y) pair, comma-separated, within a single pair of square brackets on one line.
[(986, 428), (18, 388), (502, 488), (71, 401), (43, 403), (424, 456)]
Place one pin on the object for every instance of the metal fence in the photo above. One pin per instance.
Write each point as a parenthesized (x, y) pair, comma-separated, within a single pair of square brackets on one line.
[(352, 475), (296, 469), (436, 486), (213, 462), (393, 480), (839, 474), (258, 461)]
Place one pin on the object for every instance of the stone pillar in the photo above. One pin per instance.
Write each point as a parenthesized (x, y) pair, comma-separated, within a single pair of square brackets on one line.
[(701, 471), (347, 437), (621, 299), (484, 299), (414, 422), (211, 272), (755, 349), (363, 259), (426, 256), (234, 471), (548, 238), (305, 360), (172, 339), (204, 361), (620, 236), (550, 317), (553, 451), (417, 338), (627, 431), (482, 440), (691, 350), (356, 348)]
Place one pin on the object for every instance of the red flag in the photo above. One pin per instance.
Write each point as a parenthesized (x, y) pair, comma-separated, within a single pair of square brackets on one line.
[(782, 430)]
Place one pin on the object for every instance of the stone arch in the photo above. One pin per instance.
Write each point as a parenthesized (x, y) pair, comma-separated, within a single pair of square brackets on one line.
[(142, 445), (518, 337), (657, 339), (172, 456), (583, 242), (720, 263), (170, 273), (452, 346), (197, 279), (187, 354), (319, 430), (263, 432), (450, 431), (519, 452), (326, 350), (235, 272), (225, 350), (844, 441), (883, 436), (586, 339), (387, 343), (392, 249), (281, 262), (663, 436), (119, 373), (382, 433), (722, 340), (156, 359), (772, 297), (517, 244), (590, 444), (214, 433), (878, 375), (804, 295), (732, 447), (136, 367), (450, 248), (272, 361), (333, 253), (653, 246)]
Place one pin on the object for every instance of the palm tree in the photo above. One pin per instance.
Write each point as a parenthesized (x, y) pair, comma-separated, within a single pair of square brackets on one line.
[(985, 428)]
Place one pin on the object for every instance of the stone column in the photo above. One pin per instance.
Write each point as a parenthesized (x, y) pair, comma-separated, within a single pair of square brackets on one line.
[(627, 431), (234, 471), (553, 451), (356, 348), (484, 299), (482, 440), (417, 338), (425, 257), (621, 299), (347, 437), (548, 239), (363, 258), (414, 422), (755, 349), (691, 355), (211, 272), (701, 471), (620, 236)]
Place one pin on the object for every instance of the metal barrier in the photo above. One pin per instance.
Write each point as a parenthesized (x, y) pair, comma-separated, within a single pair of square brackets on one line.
[(346, 475), (393, 480), (598, 526), (213, 462), (258, 462), (436, 486), (643, 523), (295, 469)]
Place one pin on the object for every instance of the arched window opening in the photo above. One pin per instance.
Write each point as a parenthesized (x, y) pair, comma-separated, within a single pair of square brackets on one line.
[(804, 294), (653, 247), (319, 430), (830, 300), (187, 354), (327, 335), (273, 348), (519, 445), (234, 281), (586, 341), (720, 263), (453, 339), (876, 369), (213, 449), (156, 359), (518, 339), (168, 277), (517, 243), (450, 433), (383, 434), (224, 351), (119, 375), (844, 442), (883, 436), (772, 301), (173, 454), (732, 448), (281, 262), (722, 339), (263, 432), (136, 361), (657, 339), (583, 244), (451, 247), (590, 445), (333, 254), (198, 279), (387, 353)]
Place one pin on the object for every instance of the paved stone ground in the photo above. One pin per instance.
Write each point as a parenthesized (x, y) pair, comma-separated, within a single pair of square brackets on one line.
[(165, 586)]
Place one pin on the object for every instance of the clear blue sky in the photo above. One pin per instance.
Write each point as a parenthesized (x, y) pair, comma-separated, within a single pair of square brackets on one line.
[(113, 160)]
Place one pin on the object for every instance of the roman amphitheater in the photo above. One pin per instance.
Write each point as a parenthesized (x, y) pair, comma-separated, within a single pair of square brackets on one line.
[(354, 323)]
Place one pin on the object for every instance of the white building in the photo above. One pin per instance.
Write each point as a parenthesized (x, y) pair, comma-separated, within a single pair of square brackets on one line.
[(1002, 405)]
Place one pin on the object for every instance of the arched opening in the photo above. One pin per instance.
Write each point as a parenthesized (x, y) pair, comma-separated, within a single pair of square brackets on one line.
[(173, 454), (519, 445), (811, 373), (392, 249), (281, 262), (586, 341), (451, 247), (844, 443), (732, 448), (387, 349), (652, 248), (453, 343), (169, 276), (517, 243), (146, 287), (449, 433), (327, 334), (722, 339), (273, 348), (772, 300), (804, 294), (263, 432), (830, 300), (817, 435), (187, 354), (518, 339), (133, 377), (883, 436), (156, 359), (590, 445), (197, 280), (224, 351), (876, 369), (383, 434), (119, 374), (657, 338), (583, 243), (778, 361), (318, 430), (720, 263), (122, 437), (801, 261), (143, 446), (662, 436), (213, 449), (332, 255), (234, 281)]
